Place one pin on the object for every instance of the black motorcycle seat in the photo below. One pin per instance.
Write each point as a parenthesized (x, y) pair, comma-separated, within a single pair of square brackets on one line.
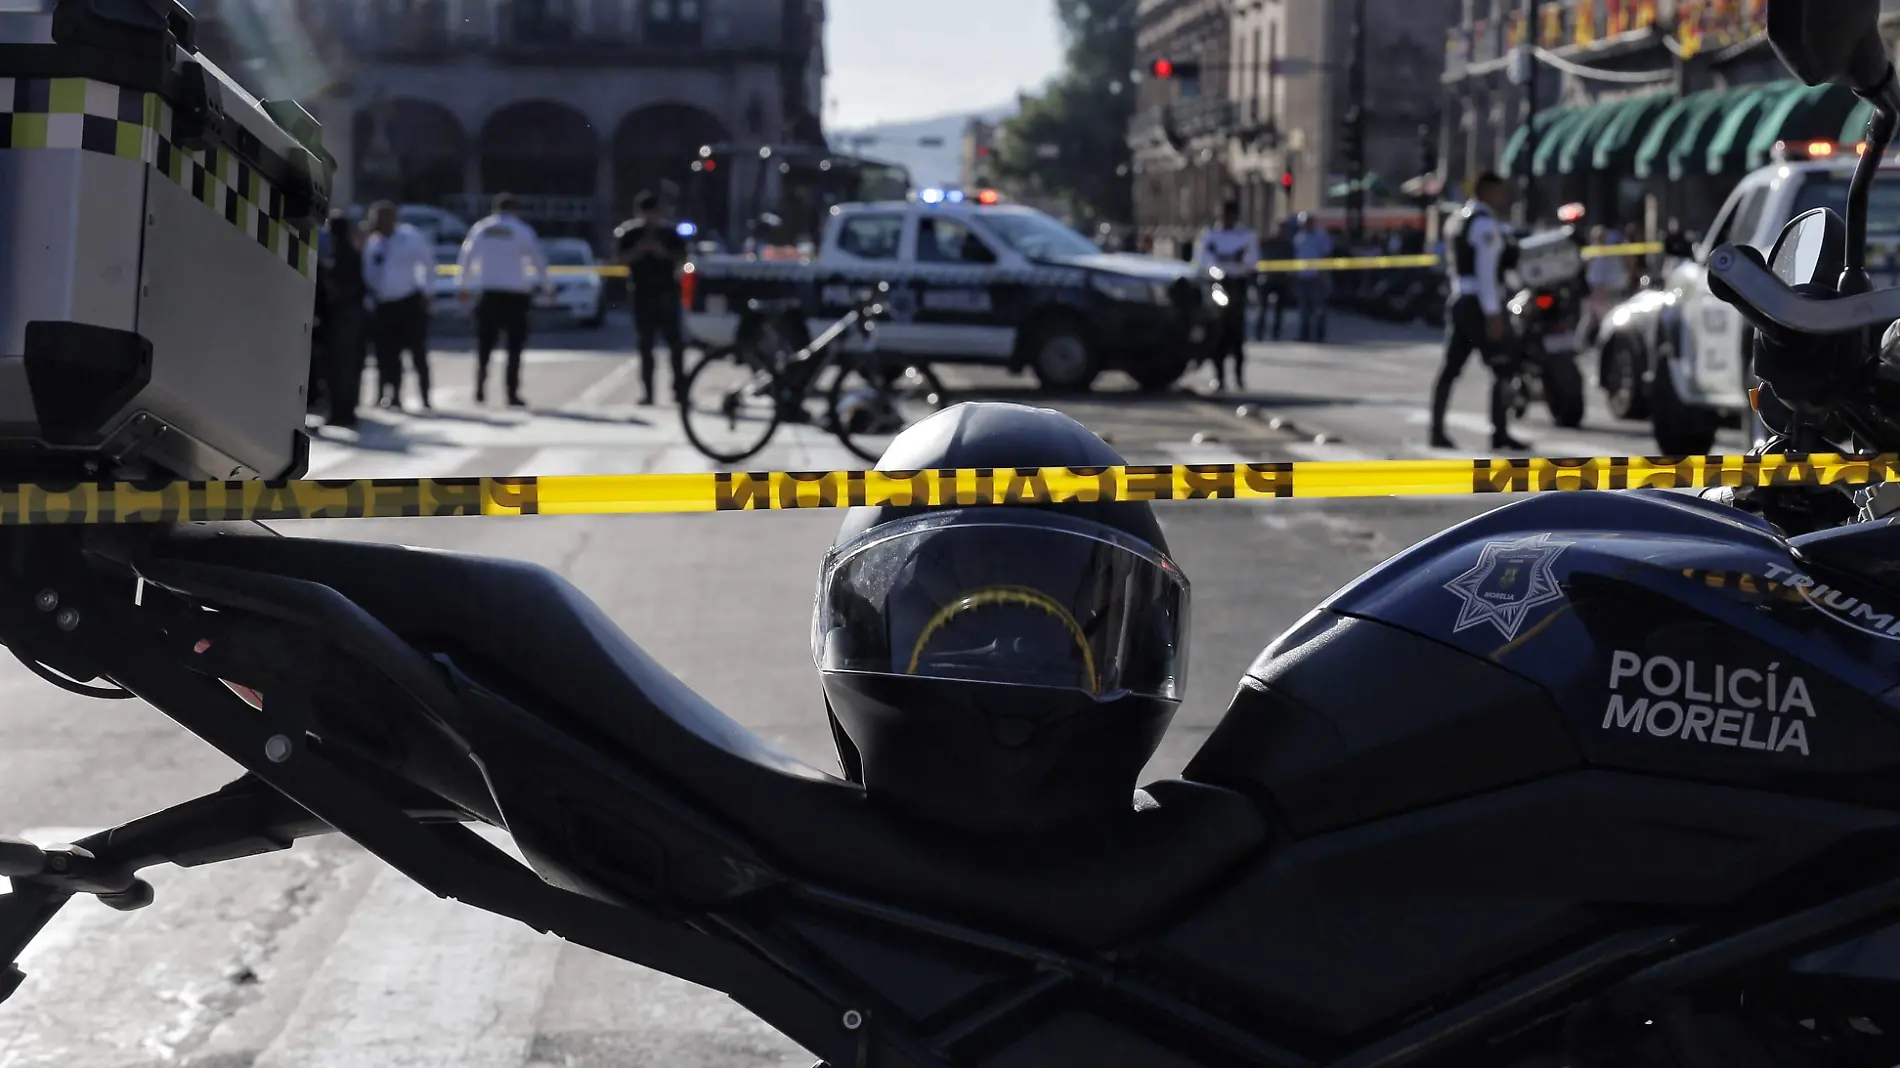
[(1085, 891)]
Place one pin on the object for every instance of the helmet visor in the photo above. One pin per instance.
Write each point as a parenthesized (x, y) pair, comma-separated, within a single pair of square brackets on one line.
[(988, 596)]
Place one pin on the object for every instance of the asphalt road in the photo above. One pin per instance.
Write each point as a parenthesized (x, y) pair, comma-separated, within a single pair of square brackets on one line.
[(320, 956)]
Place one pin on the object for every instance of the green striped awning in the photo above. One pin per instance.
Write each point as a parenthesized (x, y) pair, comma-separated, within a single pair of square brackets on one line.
[(1662, 131), (1509, 160), (1616, 148), (1809, 113), (1550, 140), (1580, 141), (1699, 129), (1728, 149)]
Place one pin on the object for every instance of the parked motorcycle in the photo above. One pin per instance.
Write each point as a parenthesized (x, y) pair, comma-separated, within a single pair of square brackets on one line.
[(1543, 317), (1623, 789)]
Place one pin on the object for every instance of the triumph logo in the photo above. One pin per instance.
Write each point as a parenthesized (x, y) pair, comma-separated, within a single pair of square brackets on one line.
[(1509, 579), (1840, 606)]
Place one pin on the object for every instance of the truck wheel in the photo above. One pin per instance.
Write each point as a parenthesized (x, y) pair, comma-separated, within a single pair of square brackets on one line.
[(1563, 390), (1682, 429), (1623, 379), (1063, 359), (1160, 372)]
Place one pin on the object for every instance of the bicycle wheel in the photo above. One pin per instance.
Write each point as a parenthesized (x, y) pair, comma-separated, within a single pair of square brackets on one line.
[(729, 406), (873, 400)]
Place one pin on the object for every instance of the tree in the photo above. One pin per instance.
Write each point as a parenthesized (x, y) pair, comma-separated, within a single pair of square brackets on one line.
[(1081, 118)]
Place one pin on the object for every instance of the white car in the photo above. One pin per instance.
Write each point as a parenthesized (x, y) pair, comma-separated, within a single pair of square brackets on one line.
[(577, 295)]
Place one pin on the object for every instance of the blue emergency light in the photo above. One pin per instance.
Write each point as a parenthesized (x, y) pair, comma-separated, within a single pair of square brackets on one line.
[(686, 229)]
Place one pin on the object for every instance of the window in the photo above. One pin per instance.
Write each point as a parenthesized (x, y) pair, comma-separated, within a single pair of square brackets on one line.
[(672, 22), (871, 237), (1830, 191), (1038, 236), (948, 241)]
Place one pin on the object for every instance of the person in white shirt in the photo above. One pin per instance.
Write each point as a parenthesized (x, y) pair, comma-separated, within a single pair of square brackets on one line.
[(1477, 240), (398, 262), (503, 261), (1235, 250)]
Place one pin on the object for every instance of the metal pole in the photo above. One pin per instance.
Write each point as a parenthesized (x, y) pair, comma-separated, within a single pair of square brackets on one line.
[(1356, 132), (1528, 58)]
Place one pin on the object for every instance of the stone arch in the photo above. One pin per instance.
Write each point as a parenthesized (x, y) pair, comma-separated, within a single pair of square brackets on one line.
[(657, 145), (409, 150), (539, 148)]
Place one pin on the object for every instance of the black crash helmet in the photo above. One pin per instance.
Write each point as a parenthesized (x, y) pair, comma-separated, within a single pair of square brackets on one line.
[(1001, 669)]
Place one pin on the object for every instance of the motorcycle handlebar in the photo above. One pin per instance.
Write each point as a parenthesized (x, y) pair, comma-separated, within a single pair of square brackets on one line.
[(1739, 275)]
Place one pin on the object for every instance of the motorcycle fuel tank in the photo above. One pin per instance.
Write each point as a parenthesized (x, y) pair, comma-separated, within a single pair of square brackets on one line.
[(1511, 734), (1647, 631)]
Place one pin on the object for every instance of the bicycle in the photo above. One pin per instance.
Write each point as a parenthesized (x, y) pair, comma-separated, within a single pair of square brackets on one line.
[(760, 382)]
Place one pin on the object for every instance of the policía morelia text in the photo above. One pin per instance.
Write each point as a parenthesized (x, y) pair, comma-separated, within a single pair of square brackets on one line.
[(1715, 704)]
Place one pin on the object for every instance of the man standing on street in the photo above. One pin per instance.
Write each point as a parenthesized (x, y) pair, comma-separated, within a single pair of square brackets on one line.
[(1312, 242), (398, 263), (653, 254), (1235, 250), (340, 303), (496, 261), (1475, 319)]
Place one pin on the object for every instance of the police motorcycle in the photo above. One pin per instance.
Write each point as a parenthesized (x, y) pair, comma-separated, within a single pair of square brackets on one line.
[(1624, 791), (1543, 317)]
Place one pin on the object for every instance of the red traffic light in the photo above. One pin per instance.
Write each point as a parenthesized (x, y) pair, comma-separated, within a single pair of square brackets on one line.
[(1286, 179), (1163, 68)]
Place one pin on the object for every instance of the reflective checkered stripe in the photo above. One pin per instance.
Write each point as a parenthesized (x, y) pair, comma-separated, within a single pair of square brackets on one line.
[(92, 116)]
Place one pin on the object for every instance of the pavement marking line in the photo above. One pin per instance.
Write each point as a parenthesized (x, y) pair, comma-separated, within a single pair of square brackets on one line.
[(598, 390), (414, 980)]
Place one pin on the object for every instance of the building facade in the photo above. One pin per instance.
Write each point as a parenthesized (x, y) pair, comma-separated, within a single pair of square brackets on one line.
[(574, 105), (1642, 111), (1178, 138), (1272, 102)]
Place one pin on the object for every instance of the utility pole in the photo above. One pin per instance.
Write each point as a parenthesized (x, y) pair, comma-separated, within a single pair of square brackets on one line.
[(1527, 57), (1356, 126)]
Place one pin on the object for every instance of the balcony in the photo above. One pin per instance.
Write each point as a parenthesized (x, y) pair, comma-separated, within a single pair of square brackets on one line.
[(1206, 116), (646, 31)]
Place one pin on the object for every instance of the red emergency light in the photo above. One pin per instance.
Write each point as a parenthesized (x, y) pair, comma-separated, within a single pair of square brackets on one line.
[(1163, 68)]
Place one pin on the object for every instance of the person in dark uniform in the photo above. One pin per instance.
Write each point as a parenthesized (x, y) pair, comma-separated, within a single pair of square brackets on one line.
[(340, 297), (1276, 292), (1235, 250), (653, 254), (1477, 246)]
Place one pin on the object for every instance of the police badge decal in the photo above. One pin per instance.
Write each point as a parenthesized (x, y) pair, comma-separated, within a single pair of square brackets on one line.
[(1509, 579)]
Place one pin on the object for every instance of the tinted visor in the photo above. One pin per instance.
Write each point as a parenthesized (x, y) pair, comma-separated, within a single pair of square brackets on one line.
[(1000, 597)]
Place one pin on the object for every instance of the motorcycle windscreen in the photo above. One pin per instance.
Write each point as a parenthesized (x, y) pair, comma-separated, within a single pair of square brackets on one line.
[(1019, 599)]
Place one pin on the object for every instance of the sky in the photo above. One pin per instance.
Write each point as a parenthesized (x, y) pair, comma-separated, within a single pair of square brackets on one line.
[(896, 60)]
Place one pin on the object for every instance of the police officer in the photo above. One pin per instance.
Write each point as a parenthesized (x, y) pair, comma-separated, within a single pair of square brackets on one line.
[(1235, 249), (1478, 247), (503, 261)]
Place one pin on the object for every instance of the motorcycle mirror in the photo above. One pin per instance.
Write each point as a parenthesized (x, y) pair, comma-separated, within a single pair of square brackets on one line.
[(1812, 249), (1829, 41)]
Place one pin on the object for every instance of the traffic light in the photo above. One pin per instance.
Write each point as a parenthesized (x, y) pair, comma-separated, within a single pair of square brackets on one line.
[(1286, 181), (1352, 130), (1174, 70)]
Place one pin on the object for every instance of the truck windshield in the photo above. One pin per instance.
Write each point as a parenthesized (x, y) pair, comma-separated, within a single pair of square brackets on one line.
[(1830, 191), (1036, 235)]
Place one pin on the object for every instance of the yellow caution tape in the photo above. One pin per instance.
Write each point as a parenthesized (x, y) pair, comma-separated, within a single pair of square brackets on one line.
[(736, 491), (1340, 263), (605, 270), (1387, 263)]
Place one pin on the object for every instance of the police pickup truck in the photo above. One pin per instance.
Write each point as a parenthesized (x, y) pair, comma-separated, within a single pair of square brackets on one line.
[(972, 282), (1678, 354)]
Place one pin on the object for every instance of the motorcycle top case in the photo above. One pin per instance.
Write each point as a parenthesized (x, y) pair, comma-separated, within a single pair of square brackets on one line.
[(157, 253), (1549, 259)]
